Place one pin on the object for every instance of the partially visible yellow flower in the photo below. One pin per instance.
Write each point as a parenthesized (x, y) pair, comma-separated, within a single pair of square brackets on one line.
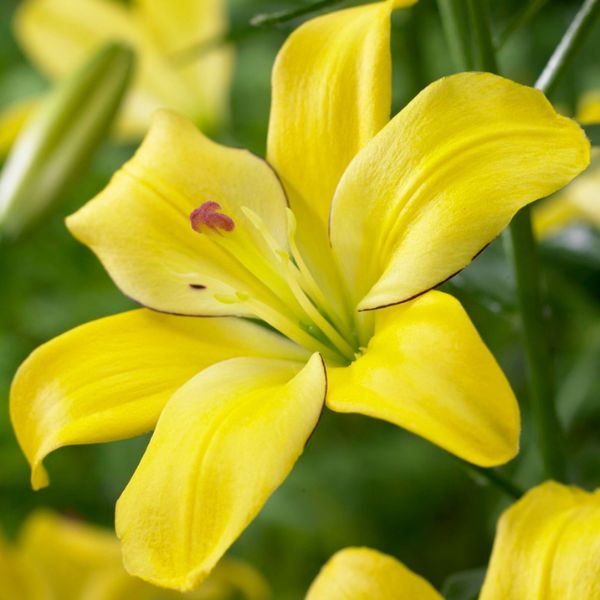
[(588, 111), (20, 579), (580, 200), (336, 245), (57, 558), (57, 36), (547, 546), (365, 574)]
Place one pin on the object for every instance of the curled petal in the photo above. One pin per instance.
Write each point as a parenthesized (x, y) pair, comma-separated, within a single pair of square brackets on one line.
[(443, 179), (110, 379), (224, 442), (139, 225), (426, 369)]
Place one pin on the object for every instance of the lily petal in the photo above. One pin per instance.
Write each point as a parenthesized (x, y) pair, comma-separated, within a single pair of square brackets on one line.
[(332, 86), (442, 179), (547, 546), (177, 26), (230, 578), (139, 225), (426, 369), (331, 95), (20, 578), (58, 35), (364, 574), (66, 552), (224, 442), (109, 379)]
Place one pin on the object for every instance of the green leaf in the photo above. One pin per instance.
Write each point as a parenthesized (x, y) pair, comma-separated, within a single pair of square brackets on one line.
[(464, 585), (60, 138)]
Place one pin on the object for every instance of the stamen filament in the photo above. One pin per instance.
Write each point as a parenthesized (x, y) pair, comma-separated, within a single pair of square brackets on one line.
[(284, 292), (340, 321), (294, 332), (246, 255), (293, 278)]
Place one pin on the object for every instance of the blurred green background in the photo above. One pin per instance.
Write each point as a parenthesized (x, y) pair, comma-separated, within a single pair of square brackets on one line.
[(360, 481)]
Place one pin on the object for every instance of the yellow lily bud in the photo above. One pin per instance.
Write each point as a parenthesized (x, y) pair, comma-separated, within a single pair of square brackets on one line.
[(61, 137)]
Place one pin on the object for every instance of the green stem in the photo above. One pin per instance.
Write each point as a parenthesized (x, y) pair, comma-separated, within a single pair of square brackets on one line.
[(499, 481), (569, 46), (526, 266), (456, 28)]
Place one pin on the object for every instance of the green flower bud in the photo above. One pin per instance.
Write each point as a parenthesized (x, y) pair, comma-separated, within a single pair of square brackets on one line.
[(61, 137)]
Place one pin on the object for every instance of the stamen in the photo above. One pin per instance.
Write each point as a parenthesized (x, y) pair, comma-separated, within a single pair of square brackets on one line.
[(281, 294), (206, 214)]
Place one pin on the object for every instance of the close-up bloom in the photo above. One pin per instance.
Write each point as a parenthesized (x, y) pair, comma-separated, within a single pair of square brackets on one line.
[(547, 546), (59, 558), (319, 264), (57, 36)]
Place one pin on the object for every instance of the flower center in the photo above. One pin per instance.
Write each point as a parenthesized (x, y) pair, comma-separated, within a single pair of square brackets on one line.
[(285, 294)]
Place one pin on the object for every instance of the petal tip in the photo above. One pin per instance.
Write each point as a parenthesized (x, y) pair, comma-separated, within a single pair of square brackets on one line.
[(39, 476)]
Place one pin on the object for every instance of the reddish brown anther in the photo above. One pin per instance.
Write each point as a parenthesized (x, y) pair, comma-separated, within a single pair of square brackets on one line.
[(206, 214)]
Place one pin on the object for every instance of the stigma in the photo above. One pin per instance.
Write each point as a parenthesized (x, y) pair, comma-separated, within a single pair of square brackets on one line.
[(208, 215)]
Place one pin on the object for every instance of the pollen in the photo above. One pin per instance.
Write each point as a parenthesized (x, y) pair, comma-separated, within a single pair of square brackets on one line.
[(208, 215)]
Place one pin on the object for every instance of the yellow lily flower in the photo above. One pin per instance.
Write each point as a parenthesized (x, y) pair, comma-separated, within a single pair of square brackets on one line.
[(57, 36), (547, 546), (192, 228), (61, 559)]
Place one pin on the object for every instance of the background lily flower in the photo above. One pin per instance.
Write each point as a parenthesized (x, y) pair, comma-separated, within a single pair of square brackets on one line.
[(364, 574), (579, 201), (380, 212), (56, 558), (58, 35), (588, 111), (547, 546)]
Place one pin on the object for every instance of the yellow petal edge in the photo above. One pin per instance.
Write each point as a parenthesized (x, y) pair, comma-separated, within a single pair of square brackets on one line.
[(548, 547), (365, 574)]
